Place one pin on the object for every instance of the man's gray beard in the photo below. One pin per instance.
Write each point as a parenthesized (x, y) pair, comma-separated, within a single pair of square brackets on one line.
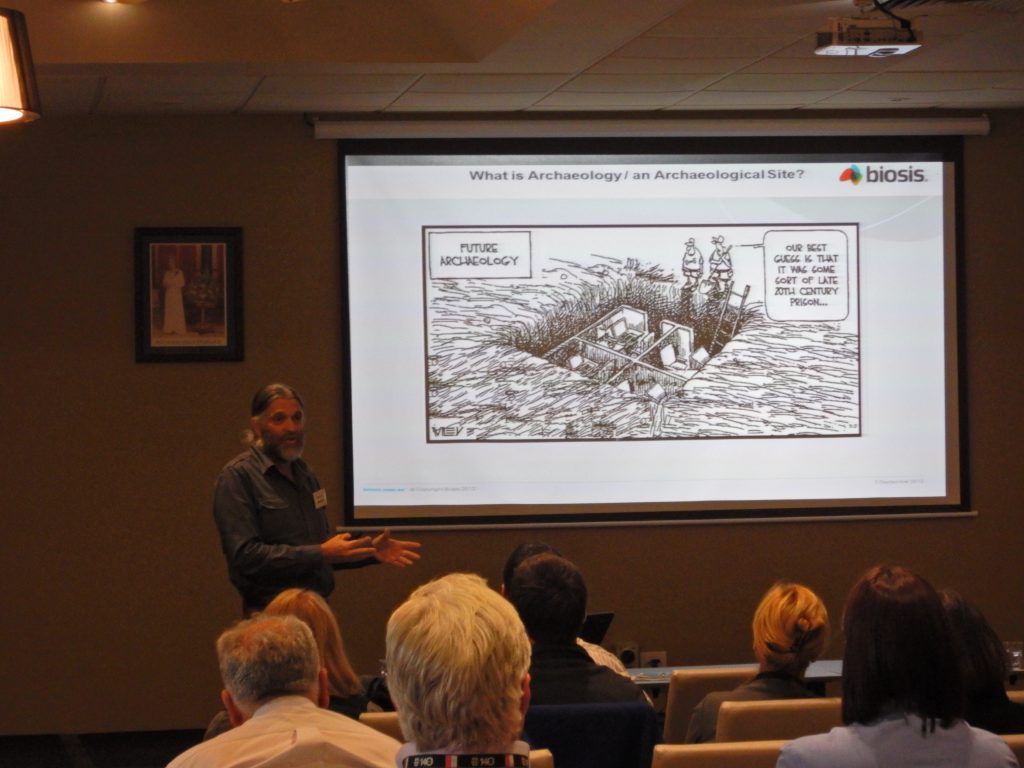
[(279, 454)]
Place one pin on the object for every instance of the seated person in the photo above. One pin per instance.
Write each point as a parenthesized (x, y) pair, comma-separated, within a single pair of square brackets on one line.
[(549, 593), (984, 667), (275, 693), (457, 658), (596, 652), (902, 689), (348, 695), (790, 630)]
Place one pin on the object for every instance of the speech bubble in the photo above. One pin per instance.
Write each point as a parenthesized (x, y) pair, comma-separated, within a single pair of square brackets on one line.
[(465, 254), (806, 274)]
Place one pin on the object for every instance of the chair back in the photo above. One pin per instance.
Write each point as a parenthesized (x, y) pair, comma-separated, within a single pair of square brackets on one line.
[(385, 722), (1016, 743), (541, 758), (594, 735), (737, 754), (777, 718), (686, 689)]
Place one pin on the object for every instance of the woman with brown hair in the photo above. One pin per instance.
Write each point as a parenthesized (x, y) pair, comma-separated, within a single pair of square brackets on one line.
[(347, 693), (902, 692)]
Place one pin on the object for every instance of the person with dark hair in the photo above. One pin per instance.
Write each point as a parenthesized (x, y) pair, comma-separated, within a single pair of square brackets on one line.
[(984, 666), (271, 512), (550, 596), (790, 629), (902, 691), (598, 654)]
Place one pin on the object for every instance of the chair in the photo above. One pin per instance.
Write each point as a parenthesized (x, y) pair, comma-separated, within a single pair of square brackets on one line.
[(594, 735), (541, 758), (1016, 743), (385, 722), (687, 687), (741, 754), (777, 718), (1017, 696)]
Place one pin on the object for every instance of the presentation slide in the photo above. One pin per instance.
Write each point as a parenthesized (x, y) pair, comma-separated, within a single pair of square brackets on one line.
[(565, 336)]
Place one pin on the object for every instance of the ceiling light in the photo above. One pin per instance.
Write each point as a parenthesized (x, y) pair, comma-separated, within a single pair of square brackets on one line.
[(19, 98)]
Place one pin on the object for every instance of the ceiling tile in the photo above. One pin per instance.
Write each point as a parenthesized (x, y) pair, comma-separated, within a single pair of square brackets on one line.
[(68, 94), (571, 100), (788, 82), (521, 83), (464, 101), (651, 83), (172, 93)]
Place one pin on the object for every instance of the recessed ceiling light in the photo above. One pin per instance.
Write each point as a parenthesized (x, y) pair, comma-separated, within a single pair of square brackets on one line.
[(123, 2)]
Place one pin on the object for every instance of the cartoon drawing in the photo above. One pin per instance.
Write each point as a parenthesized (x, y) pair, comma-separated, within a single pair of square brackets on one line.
[(693, 265), (720, 264), (588, 333)]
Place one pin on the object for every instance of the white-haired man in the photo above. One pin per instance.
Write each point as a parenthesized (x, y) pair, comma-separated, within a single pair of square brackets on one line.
[(457, 662), (275, 692)]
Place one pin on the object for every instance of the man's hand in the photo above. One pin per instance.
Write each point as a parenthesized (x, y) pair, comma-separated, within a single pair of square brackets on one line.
[(342, 548), (395, 551)]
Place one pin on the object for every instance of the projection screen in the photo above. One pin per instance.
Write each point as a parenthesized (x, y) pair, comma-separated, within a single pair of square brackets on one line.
[(564, 332)]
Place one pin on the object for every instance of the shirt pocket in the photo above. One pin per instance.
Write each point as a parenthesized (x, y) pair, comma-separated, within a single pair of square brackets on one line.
[(278, 521)]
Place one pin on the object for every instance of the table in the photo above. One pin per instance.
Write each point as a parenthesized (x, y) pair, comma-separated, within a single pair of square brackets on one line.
[(818, 672)]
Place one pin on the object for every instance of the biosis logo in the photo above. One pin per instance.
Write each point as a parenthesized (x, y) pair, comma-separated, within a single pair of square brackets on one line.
[(852, 174), (881, 175)]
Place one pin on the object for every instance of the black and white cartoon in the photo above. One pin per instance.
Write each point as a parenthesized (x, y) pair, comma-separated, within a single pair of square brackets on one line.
[(720, 263), (693, 265), (539, 333)]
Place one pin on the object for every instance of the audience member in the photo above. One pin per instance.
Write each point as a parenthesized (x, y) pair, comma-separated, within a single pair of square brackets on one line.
[(550, 595), (348, 695), (984, 666), (457, 659), (902, 694), (274, 693), (790, 629), (599, 655)]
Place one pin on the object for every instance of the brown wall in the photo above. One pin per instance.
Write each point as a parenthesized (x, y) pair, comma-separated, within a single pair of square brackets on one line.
[(113, 585)]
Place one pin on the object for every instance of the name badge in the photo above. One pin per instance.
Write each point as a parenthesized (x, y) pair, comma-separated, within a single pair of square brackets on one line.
[(320, 499)]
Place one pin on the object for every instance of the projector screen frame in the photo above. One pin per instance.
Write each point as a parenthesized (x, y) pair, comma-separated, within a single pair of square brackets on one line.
[(909, 149)]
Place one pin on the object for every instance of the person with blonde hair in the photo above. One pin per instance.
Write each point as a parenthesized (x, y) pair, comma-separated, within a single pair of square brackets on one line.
[(457, 660), (791, 629), (347, 694)]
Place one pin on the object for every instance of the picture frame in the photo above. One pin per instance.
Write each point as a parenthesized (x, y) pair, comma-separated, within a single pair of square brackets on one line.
[(188, 294)]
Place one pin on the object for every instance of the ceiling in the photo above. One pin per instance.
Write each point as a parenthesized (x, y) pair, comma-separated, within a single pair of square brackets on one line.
[(338, 57)]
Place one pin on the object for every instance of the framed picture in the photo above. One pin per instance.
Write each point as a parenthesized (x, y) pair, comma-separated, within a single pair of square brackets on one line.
[(188, 294)]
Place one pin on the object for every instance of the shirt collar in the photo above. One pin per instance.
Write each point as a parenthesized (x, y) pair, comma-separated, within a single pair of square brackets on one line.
[(410, 749), (264, 462)]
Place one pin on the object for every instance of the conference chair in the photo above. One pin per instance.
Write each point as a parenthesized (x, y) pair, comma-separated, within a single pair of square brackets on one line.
[(776, 718), (739, 754), (385, 722), (594, 735), (688, 686), (1016, 743)]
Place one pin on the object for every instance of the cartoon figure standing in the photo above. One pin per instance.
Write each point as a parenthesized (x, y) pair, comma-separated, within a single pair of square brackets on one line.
[(720, 264), (693, 265)]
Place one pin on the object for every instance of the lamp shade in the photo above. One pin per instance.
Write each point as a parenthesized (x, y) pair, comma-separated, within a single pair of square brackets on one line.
[(19, 98)]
